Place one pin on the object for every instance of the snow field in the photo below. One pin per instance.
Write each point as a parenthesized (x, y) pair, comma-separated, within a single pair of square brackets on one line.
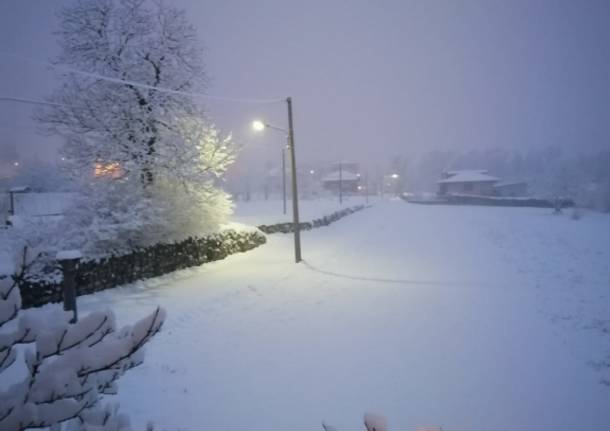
[(469, 318)]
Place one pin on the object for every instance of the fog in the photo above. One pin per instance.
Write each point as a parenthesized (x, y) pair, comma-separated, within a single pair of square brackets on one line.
[(433, 257), (371, 81)]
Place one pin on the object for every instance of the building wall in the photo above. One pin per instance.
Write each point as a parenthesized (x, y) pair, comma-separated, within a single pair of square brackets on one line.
[(469, 188), (348, 186), (512, 190)]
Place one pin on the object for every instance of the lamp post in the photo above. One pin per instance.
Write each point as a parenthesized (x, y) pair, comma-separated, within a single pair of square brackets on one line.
[(284, 179), (260, 126)]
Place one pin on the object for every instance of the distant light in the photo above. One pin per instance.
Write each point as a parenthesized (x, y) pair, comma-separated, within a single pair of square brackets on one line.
[(395, 176), (258, 125), (63, 159), (312, 172), (358, 175), (16, 164), (359, 187), (112, 170)]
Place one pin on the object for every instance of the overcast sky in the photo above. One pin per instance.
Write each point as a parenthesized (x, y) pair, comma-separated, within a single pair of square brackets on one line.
[(371, 79)]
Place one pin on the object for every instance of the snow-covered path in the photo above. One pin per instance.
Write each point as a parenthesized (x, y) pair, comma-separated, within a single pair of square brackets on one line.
[(467, 317)]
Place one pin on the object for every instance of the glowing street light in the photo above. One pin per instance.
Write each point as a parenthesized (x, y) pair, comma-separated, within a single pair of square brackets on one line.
[(395, 176), (16, 164), (259, 126)]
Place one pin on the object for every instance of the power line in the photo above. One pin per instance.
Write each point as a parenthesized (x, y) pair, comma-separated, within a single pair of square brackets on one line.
[(30, 101), (135, 83)]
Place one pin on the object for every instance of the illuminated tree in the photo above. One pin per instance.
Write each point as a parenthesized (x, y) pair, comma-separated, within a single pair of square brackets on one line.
[(133, 134)]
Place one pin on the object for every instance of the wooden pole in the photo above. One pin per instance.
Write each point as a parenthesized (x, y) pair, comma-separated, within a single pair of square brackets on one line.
[(284, 176), (69, 261), (295, 195)]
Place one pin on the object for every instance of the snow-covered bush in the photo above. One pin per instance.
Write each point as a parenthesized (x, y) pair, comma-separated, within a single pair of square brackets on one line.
[(67, 368), (372, 422), (375, 422)]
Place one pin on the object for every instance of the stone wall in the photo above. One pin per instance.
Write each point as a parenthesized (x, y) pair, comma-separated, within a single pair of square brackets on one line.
[(96, 275), (153, 261), (319, 222)]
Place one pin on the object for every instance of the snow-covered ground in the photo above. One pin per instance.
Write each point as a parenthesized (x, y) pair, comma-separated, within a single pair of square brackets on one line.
[(472, 318)]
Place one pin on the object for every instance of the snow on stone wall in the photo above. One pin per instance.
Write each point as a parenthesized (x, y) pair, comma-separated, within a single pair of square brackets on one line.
[(319, 222), (97, 275)]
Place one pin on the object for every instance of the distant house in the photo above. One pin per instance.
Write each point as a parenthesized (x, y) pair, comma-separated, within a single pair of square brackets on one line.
[(23, 204), (344, 176), (478, 182), (345, 165), (345, 181), (511, 190), (467, 182)]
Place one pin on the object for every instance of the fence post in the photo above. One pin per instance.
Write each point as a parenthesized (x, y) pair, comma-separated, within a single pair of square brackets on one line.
[(69, 260)]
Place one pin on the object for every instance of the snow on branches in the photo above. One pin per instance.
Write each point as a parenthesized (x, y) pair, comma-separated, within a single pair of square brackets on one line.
[(147, 160), (68, 367)]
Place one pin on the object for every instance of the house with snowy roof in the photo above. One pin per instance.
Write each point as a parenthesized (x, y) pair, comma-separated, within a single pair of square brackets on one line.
[(20, 203), (343, 176), (467, 182), (345, 180), (478, 182)]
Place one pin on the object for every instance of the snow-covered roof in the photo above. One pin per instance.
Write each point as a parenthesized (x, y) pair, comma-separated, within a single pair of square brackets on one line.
[(345, 176), (39, 204), (69, 255), (19, 189), (463, 171), (468, 177)]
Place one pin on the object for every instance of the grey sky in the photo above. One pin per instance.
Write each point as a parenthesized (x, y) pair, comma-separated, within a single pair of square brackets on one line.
[(373, 79)]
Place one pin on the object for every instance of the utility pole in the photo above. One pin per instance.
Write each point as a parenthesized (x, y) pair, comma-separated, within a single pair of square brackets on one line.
[(295, 195), (284, 175)]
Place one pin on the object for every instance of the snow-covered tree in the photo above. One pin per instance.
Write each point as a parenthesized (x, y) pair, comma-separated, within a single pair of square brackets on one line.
[(135, 138), (67, 368), (118, 214)]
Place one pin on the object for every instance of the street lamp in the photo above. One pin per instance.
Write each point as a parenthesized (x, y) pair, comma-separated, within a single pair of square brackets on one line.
[(259, 126)]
